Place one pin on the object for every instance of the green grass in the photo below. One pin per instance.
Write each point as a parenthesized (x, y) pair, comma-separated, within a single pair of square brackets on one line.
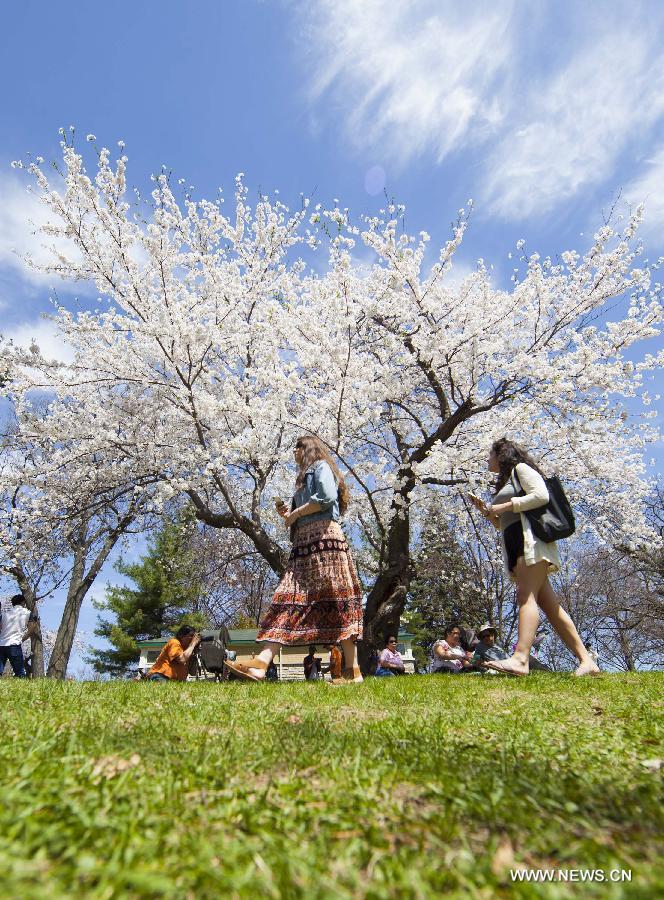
[(409, 787)]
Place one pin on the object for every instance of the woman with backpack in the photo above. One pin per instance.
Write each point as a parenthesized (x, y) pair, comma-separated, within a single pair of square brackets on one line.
[(319, 598), (520, 487)]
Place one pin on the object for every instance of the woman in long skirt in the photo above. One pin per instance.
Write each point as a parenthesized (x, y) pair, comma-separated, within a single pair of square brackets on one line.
[(319, 599), (529, 561)]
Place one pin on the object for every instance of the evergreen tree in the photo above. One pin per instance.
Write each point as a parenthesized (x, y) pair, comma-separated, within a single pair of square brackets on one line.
[(445, 588), (167, 594)]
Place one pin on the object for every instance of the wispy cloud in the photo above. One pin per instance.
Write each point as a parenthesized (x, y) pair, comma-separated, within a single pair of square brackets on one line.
[(648, 188), (21, 215), (562, 91), (45, 335), (576, 126), (410, 75)]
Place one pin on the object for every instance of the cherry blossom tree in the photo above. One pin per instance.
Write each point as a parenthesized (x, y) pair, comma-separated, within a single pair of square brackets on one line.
[(215, 342), (56, 536)]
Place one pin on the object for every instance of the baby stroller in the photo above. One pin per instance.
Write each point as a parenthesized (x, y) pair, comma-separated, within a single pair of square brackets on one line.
[(211, 655)]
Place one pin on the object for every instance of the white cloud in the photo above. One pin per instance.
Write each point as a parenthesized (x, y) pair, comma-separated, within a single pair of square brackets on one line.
[(44, 333), (412, 75), (457, 274), (648, 188), (21, 216), (553, 95), (576, 127)]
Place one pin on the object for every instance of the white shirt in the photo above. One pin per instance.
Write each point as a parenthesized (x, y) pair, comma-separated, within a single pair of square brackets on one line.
[(14, 622), (537, 494), (439, 663)]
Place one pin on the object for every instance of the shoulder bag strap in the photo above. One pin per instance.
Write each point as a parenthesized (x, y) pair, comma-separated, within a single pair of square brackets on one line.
[(516, 484)]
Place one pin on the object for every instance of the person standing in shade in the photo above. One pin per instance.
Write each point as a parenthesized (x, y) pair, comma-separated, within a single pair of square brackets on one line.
[(18, 624), (336, 662), (593, 654), (319, 598), (528, 560)]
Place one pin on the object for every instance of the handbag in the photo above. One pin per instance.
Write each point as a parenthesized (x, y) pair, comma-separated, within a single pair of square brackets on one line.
[(553, 521)]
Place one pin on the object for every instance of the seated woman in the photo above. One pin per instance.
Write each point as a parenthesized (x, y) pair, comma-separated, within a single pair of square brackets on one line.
[(448, 654), (390, 661)]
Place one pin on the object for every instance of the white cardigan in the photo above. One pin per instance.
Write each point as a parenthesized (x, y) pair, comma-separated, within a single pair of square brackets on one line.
[(537, 494)]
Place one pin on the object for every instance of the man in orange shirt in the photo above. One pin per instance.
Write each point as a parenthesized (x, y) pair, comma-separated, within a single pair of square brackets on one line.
[(173, 662)]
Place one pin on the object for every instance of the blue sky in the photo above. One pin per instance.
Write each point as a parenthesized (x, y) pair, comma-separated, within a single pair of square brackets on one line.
[(542, 112)]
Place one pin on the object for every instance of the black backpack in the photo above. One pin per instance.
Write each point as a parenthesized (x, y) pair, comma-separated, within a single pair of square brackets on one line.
[(553, 521)]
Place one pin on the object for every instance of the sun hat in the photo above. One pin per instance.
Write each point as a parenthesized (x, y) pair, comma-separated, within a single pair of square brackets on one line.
[(487, 627)]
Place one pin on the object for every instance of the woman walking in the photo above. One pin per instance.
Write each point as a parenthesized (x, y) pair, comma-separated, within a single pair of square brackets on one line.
[(319, 599), (529, 560)]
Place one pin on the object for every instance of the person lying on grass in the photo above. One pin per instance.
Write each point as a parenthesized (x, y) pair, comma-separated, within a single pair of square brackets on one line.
[(173, 662)]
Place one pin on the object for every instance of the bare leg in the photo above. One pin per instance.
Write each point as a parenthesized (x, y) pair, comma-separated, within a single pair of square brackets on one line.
[(349, 647), (529, 580), (351, 672), (565, 629), (270, 649)]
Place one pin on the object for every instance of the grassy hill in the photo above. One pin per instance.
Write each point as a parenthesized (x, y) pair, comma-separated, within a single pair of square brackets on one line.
[(408, 787)]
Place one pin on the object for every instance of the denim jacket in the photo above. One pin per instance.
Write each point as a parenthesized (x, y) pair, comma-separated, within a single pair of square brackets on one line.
[(319, 487)]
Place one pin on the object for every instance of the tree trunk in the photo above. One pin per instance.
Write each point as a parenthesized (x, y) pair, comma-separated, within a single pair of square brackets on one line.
[(625, 646), (275, 555), (37, 654), (387, 597), (57, 666), (79, 585)]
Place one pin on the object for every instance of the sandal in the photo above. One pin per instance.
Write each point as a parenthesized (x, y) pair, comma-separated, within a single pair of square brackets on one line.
[(349, 676), (241, 669)]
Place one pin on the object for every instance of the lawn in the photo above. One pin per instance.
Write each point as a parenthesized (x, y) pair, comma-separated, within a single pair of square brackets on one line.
[(408, 787)]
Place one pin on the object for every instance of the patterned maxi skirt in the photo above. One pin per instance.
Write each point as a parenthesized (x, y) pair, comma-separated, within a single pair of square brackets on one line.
[(319, 599)]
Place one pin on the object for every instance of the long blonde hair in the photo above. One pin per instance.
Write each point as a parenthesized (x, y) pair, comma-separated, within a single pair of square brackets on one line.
[(314, 449)]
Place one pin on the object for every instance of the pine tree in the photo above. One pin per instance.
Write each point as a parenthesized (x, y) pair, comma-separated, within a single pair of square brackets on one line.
[(445, 588), (167, 594)]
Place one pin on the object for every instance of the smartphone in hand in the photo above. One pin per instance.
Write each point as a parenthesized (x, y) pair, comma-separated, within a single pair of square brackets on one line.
[(477, 502)]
